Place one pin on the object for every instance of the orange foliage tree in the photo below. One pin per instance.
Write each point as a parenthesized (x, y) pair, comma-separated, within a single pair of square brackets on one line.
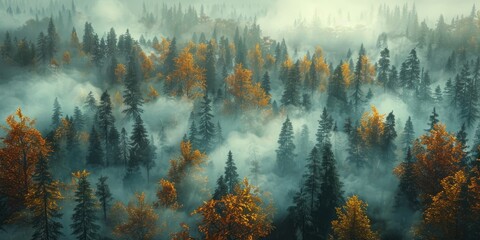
[(256, 61), (187, 76), (147, 65), (368, 70), (23, 146), (120, 72), (141, 223), (352, 222), (167, 195), (438, 155), (347, 74), (372, 127), (241, 215), (245, 93)]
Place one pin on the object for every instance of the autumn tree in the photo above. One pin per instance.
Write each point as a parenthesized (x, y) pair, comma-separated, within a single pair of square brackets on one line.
[(120, 71), (146, 65), (352, 222), (187, 78), (246, 95), (43, 200), (372, 127), (167, 195), (243, 215), (84, 217), (438, 154), (141, 223), (256, 62), (22, 147), (189, 158)]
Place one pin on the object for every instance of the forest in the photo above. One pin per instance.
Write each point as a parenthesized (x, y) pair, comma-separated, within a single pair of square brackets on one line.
[(239, 120)]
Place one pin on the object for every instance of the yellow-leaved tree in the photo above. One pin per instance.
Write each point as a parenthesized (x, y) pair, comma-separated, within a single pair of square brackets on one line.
[(241, 215), (141, 223), (372, 127), (245, 94), (187, 78), (22, 147), (352, 222)]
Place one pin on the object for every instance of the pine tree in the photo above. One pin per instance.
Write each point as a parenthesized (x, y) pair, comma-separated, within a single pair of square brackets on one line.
[(300, 214), (266, 84), (219, 134), (231, 175), (331, 195), (221, 190), (311, 188), (389, 136), (462, 139), (105, 122), (408, 134), (433, 119), (286, 148), (52, 40), (210, 73), (90, 103), (337, 96), (111, 43), (193, 136), (291, 95), (384, 67), (206, 129), (139, 146), (78, 119), (392, 82), (104, 196), (437, 97), (42, 200), (469, 105), (95, 152), (124, 147), (170, 59), (356, 153), (325, 125), (57, 114), (132, 97), (114, 152), (357, 94), (84, 218), (407, 194), (304, 142)]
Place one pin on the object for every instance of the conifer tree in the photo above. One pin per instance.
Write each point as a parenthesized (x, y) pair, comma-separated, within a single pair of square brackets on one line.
[(57, 114), (104, 196), (384, 67), (132, 96), (193, 136), (124, 147), (392, 81), (206, 129), (42, 200), (331, 195), (408, 134), (105, 122), (337, 96), (231, 175), (170, 59), (210, 73), (114, 152), (95, 152), (139, 146), (407, 194), (84, 218), (90, 103), (389, 136), (221, 190), (291, 94), (311, 188), (325, 125), (433, 119), (219, 139), (266, 84), (286, 148), (78, 119)]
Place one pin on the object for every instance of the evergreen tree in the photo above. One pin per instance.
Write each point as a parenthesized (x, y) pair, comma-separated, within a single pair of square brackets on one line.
[(84, 218), (392, 81), (105, 122), (218, 134), (299, 212), (111, 43), (291, 95), (43, 198), (95, 152), (88, 38), (114, 152), (407, 194), (311, 190), (90, 103), (356, 153), (286, 148), (57, 114), (6, 50), (462, 139), (231, 175), (210, 73), (437, 97), (132, 97), (52, 40), (384, 67), (389, 136), (104, 196), (469, 99), (408, 134), (169, 65), (357, 94), (331, 195), (325, 125), (139, 147), (193, 136), (266, 84), (449, 91), (411, 78), (433, 119), (221, 190), (206, 128), (42, 48), (124, 147), (304, 142), (337, 96), (78, 119)]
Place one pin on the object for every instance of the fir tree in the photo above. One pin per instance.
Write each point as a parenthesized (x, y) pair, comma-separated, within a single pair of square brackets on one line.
[(206, 129), (210, 73), (266, 84), (337, 96), (408, 134), (78, 119), (132, 97), (105, 122), (57, 114), (325, 125), (139, 146), (114, 153), (469, 104), (392, 81), (231, 175), (104, 196), (291, 95), (124, 147), (193, 136), (356, 153), (437, 97), (433, 119), (383, 67), (91, 103), (331, 195), (286, 148), (170, 59), (219, 139), (44, 197), (407, 193), (221, 190), (84, 218), (95, 152), (389, 135), (311, 188)]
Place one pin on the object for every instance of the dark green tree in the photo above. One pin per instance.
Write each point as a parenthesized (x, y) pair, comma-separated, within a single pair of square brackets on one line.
[(57, 114), (325, 125), (206, 128), (210, 73), (286, 148), (84, 219), (104, 195), (408, 134), (221, 190), (95, 155), (231, 175), (432, 120), (291, 94), (132, 97), (384, 67), (105, 123), (407, 194)]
